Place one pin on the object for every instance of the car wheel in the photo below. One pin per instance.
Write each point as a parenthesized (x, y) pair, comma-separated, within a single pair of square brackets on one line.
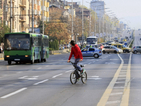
[(124, 51), (96, 56), (115, 52), (104, 52), (135, 52), (108, 52)]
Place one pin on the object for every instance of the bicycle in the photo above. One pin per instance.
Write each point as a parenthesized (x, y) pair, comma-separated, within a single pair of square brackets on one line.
[(76, 74)]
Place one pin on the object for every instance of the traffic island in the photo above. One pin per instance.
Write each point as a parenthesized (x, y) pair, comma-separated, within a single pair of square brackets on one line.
[(56, 52)]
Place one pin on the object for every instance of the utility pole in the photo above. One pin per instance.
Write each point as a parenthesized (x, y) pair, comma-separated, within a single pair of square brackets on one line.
[(90, 24), (72, 22), (32, 16), (95, 23), (82, 23), (10, 15), (43, 17)]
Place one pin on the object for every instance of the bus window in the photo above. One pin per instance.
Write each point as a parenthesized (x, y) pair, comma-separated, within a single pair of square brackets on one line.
[(16, 41)]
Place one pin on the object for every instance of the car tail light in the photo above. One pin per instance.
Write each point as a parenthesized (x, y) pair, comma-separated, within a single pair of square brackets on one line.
[(133, 47), (100, 51)]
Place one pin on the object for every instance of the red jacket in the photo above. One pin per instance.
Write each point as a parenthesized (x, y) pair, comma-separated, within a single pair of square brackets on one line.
[(76, 52)]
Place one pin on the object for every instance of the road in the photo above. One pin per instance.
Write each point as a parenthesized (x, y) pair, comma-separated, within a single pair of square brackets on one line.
[(113, 80), (136, 74)]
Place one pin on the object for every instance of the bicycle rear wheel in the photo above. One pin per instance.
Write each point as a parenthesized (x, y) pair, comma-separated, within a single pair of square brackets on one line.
[(73, 78), (84, 78)]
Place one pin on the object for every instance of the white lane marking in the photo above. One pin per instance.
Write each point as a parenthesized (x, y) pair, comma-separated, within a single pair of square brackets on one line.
[(19, 72), (121, 78), (113, 102), (35, 76), (47, 66), (18, 91), (56, 75), (29, 77), (119, 87), (119, 82), (39, 67), (23, 77), (68, 71), (95, 78), (40, 82), (119, 93)]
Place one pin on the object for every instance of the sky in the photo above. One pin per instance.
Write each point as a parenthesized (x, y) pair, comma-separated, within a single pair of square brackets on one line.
[(127, 11)]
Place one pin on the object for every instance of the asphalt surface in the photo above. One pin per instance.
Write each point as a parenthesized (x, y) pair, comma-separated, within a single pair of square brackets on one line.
[(113, 80), (136, 74), (48, 84)]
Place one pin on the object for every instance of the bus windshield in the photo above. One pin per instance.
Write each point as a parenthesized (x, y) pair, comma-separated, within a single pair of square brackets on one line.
[(91, 40), (17, 42)]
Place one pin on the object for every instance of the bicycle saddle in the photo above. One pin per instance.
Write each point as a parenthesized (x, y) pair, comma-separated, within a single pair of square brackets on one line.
[(81, 65)]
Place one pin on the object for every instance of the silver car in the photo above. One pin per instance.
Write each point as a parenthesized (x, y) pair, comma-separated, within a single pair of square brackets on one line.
[(111, 49), (136, 49), (91, 52)]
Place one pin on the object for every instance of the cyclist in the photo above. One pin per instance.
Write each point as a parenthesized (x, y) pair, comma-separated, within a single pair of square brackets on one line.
[(75, 50)]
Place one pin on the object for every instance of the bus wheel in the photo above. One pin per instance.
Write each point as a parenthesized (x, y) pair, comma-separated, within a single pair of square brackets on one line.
[(45, 60), (40, 59), (9, 62)]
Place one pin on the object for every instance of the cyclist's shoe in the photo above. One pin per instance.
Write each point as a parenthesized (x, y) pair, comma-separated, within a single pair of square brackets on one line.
[(78, 79), (82, 71)]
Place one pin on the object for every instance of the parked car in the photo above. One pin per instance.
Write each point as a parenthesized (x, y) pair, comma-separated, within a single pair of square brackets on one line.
[(111, 49), (136, 49), (91, 52)]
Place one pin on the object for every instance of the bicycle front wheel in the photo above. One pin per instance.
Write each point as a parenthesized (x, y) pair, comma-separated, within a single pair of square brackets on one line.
[(84, 78), (73, 79)]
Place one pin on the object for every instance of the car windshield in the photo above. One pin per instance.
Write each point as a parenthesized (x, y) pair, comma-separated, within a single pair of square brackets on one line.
[(17, 42), (125, 46), (114, 47)]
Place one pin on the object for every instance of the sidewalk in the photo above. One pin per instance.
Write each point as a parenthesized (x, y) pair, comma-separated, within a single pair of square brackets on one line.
[(1, 58)]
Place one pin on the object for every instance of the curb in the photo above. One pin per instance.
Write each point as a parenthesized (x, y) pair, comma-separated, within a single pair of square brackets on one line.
[(1, 58)]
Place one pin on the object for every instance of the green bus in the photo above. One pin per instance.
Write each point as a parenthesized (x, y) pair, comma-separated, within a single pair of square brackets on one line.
[(26, 47)]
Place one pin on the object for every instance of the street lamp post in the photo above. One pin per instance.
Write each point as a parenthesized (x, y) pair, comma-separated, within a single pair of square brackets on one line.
[(32, 16), (43, 17), (89, 20), (72, 22), (82, 24), (10, 15)]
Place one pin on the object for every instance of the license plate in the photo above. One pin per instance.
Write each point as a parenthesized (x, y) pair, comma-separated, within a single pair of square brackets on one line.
[(17, 59)]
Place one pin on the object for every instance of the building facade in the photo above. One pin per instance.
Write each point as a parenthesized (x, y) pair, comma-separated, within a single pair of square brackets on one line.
[(99, 7), (1, 11), (22, 14)]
